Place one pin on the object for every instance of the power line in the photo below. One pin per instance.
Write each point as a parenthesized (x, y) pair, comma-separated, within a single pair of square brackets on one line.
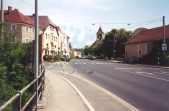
[(127, 23)]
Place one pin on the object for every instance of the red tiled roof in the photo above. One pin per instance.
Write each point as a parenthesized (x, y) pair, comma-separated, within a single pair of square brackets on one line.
[(17, 17), (44, 21), (149, 35)]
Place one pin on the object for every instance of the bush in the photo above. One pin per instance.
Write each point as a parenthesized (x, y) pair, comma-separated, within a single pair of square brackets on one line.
[(56, 58), (14, 61)]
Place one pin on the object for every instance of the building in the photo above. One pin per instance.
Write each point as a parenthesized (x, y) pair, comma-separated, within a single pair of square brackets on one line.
[(77, 53), (141, 43), (18, 27), (100, 36), (54, 41)]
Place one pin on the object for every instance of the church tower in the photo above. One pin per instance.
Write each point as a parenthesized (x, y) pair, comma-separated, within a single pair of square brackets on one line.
[(100, 34)]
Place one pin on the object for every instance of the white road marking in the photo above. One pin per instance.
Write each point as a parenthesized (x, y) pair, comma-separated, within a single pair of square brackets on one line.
[(86, 102), (145, 73), (123, 68), (148, 76), (166, 73), (76, 63), (123, 102)]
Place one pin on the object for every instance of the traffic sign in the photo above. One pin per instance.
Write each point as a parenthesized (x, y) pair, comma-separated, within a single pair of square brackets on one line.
[(164, 47)]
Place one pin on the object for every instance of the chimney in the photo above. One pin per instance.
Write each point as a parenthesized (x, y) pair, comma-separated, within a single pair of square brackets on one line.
[(9, 8)]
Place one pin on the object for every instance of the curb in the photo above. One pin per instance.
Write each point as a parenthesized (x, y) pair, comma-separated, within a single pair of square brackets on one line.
[(85, 101)]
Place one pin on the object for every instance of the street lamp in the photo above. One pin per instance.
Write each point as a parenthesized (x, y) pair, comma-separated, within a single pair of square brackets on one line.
[(36, 47), (164, 44)]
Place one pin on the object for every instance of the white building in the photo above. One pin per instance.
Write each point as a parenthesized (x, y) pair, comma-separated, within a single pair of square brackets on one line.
[(53, 41)]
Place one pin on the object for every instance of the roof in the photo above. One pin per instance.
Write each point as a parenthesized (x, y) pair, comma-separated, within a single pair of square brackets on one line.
[(100, 30), (16, 16), (148, 35), (44, 22)]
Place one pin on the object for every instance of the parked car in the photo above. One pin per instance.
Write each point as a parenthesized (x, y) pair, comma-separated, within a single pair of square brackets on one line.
[(91, 57)]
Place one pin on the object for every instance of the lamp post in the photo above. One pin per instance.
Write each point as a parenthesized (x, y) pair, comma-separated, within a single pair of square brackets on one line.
[(36, 19), (164, 44)]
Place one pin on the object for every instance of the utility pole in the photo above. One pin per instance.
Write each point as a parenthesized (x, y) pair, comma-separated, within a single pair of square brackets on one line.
[(2, 20), (164, 30), (164, 44), (36, 18)]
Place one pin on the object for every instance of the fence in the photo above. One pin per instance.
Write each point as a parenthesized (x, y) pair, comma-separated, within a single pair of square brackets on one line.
[(17, 103)]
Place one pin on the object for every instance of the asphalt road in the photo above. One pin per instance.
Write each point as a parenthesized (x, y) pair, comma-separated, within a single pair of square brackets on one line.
[(145, 87)]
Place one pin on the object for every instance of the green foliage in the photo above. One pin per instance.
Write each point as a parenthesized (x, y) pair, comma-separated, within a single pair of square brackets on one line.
[(14, 71), (112, 46)]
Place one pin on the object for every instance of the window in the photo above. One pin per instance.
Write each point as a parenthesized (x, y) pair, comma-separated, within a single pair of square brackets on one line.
[(13, 38), (46, 36), (27, 29), (27, 40), (13, 27), (47, 45)]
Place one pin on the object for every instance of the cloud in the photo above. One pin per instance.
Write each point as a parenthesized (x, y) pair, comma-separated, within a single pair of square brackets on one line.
[(76, 16), (80, 35)]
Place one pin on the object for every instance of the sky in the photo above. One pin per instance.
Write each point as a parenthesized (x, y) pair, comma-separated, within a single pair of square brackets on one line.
[(76, 17)]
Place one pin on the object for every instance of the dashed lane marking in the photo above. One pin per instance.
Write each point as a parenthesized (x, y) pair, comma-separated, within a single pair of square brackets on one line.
[(145, 73), (166, 73), (123, 68), (148, 76)]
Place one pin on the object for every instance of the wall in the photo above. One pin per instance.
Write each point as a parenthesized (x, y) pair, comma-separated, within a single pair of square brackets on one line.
[(27, 34), (137, 50), (19, 33)]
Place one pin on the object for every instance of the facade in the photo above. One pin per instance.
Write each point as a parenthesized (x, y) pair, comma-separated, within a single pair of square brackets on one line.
[(77, 53), (18, 27), (64, 43), (54, 41), (141, 43)]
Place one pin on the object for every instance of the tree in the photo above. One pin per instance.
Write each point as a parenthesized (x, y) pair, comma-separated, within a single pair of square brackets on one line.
[(114, 43)]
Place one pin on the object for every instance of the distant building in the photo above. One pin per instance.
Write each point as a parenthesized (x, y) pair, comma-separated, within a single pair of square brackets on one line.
[(18, 27), (141, 43), (100, 34), (77, 53), (64, 43)]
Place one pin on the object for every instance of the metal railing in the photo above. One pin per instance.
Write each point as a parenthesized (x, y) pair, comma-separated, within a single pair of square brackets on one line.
[(17, 103)]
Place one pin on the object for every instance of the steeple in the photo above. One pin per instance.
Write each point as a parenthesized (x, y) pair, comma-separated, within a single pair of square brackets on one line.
[(100, 34)]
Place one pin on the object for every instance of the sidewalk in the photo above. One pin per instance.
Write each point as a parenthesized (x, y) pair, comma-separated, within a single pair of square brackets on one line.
[(59, 95)]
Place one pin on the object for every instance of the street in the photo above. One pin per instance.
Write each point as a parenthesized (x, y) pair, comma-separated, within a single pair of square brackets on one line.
[(99, 55), (144, 87)]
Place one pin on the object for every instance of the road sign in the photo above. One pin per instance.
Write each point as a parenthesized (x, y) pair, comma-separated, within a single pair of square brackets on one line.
[(164, 47)]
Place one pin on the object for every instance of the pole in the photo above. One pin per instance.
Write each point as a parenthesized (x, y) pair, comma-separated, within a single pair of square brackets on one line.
[(164, 34), (36, 48), (2, 19)]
